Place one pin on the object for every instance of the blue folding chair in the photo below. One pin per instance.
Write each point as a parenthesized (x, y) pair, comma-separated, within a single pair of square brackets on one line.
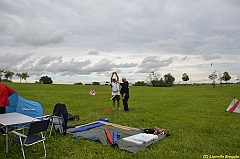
[(36, 133)]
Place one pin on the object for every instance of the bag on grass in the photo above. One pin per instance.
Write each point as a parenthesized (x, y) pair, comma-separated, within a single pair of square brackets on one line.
[(60, 118)]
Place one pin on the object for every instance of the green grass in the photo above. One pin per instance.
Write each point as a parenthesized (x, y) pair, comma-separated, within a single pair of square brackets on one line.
[(195, 115)]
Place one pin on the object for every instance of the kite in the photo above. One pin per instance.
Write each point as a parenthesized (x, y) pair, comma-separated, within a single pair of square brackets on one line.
[(92, 92)]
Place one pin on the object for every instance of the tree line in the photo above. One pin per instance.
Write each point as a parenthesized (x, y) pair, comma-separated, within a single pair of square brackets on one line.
[(9, 74), (153, 79), (167, 80), (22, 76), (224, 77)]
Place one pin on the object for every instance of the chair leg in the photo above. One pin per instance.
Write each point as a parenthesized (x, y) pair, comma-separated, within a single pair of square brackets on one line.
[(44, 147), (21, 142), (51, 129), (23, 152)]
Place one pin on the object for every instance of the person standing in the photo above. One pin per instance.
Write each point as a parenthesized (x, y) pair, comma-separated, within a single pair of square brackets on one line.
[(125, 93), (115, 90), (5, 92)]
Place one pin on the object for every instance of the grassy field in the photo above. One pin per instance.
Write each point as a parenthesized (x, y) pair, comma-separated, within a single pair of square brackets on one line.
[(195, 115)]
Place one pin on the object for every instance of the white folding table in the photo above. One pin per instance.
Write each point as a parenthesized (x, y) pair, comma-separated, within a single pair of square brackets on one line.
[(11, 119)]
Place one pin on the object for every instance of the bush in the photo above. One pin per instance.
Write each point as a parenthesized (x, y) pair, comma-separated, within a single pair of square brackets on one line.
[(45, 80), (140, 83), (95, 83), (5, 80), (79, 83)]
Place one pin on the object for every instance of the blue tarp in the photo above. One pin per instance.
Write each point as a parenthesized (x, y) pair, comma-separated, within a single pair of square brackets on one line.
[(23, 106), (87, 127)]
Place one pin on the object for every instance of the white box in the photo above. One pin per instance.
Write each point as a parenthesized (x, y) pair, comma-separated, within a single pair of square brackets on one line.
[(140, 138)]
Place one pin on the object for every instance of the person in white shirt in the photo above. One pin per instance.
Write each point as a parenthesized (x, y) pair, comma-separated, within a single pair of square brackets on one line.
[(115, 90)]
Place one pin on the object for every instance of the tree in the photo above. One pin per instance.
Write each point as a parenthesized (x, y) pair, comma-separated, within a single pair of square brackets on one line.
[(1, 71), (20, 76), (161, 83), (154, 79), (220, 78), (8, 75), (185, 77), (226, 77), (140, 83), (25, 76), (212, 77), (169, 79), (45, 80), (237, 79)]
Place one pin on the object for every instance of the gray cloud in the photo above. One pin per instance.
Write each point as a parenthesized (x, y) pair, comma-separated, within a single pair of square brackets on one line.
[(11, 61), (93, 53), (48, 59), (184, 58), (106, 65), (40, 36), (152, 63), (55, 65), (58, 37), (211, 56), (69, 68)]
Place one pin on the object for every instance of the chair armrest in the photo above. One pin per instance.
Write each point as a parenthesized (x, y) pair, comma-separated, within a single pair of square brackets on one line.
[(17, 133), (44, 117)]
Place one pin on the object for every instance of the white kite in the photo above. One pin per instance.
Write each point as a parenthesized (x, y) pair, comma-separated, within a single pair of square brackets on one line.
[(92, 92), (234, 106)]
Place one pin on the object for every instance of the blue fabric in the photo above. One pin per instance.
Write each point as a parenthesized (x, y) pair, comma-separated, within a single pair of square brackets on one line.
[(23, 106), (104, 119), (115, 137), (87, 127), (13, 100)]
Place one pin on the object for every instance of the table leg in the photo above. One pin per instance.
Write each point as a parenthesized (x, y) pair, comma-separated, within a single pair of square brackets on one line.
[(6, 140)]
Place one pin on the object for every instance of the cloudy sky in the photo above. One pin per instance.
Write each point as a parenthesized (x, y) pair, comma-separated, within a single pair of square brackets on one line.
[(84, 41)]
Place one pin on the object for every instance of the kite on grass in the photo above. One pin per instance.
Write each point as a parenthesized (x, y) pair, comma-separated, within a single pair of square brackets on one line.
[(92, 92), (234, 106)]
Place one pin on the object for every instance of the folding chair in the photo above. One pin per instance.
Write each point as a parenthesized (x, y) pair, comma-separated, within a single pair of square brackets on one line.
[(59, 119), (27, 125), (36, 134), (57, 123)]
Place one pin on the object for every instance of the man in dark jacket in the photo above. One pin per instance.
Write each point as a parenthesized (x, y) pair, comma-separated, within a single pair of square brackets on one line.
[(125, 93)]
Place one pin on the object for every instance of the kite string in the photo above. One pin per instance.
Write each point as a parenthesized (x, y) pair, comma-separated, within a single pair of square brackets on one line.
[(100, 97), (99, 101)]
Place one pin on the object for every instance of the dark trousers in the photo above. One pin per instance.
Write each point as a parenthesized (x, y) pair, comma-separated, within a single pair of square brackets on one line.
[(2, 111), (125, 102)]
